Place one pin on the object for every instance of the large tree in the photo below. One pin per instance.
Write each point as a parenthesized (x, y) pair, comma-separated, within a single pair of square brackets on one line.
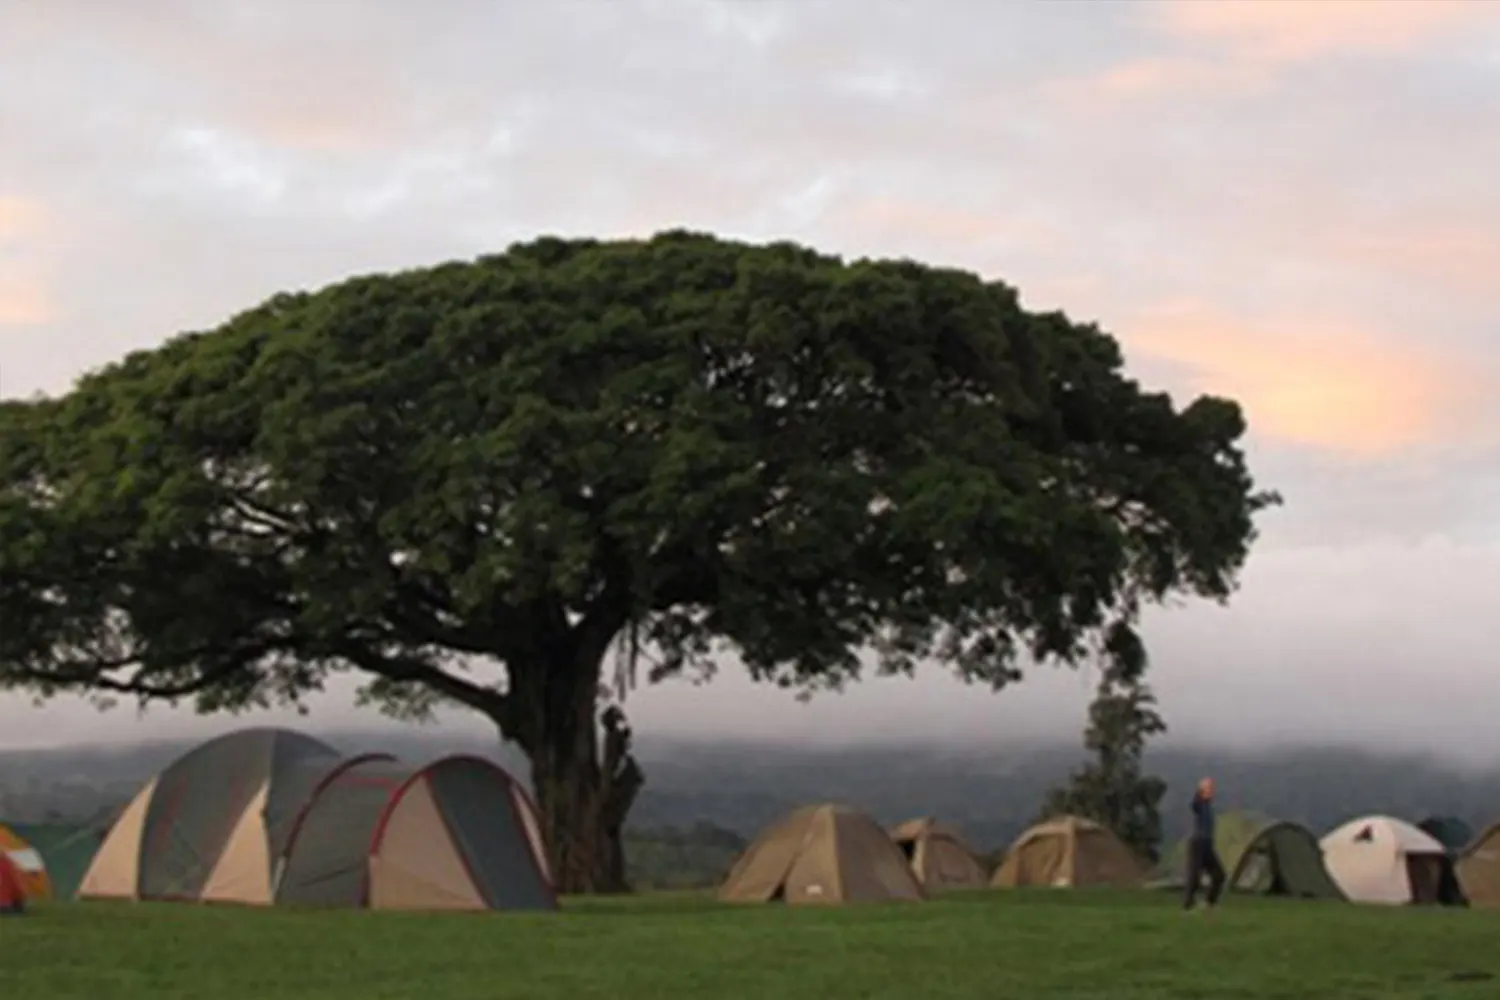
[(470, 483)]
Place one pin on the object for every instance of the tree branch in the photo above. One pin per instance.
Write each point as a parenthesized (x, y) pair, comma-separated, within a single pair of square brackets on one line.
[(94, 673), (416, 609), (411, 670)]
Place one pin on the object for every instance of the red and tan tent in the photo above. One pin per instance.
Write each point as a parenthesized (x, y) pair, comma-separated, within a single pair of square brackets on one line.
[(29, 869), (457, 834), (12, 890)]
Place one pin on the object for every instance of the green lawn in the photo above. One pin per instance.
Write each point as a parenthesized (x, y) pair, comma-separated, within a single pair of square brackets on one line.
[(1029, 945)]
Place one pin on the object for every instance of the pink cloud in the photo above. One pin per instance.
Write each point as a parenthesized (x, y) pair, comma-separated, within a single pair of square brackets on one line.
[(25, 293), (1295, 30), (1320, 383), (1320, 373), (1459, 257), (1163, 73), (25, 300), (1151, 76), (1234, 46), (268, 76), (21, 219)]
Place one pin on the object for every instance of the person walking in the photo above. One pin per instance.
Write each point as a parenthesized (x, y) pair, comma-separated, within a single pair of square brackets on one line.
[(1202, 856)]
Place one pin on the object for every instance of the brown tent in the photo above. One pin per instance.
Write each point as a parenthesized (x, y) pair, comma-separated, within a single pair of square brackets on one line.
[(267, 816), (1069, 852), (1478, 869), (938, 855), (821, 854)]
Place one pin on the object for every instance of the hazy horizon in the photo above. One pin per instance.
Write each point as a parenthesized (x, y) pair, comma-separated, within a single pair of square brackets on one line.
[(1289, 203)]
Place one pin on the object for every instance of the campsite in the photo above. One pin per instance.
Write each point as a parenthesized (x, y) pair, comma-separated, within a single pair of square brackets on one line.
[(218, 870), (855, 499)]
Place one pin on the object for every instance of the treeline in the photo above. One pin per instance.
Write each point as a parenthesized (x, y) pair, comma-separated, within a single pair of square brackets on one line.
[(673, 857)]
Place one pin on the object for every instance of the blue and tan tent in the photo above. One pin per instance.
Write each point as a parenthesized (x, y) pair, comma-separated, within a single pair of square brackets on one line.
[(270, 816)]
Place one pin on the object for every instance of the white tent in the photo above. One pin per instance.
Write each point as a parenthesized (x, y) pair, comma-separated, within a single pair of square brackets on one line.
[(1378, 859)]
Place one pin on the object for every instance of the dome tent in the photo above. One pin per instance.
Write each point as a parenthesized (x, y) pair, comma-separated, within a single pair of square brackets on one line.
[(208, 827), (28, 868), (938, 855), (821, 854), (1261, 855), (1379, 859), (456, 834), (1478, 868), (263, 816), (66, 849), (1069, 852)]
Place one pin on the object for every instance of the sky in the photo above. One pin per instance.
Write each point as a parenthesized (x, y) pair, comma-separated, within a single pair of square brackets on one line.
[(1292, 203)]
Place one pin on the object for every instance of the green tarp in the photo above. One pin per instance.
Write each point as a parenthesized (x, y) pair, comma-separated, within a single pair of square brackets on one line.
[(1261, 855), (1454, 834), (66, 848), (1450, 831)]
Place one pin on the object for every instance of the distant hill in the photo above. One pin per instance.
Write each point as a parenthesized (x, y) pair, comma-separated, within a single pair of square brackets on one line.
[(990, 791), (993, 792)]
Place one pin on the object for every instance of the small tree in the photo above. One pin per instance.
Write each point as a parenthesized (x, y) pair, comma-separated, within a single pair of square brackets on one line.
[(1113, 788)]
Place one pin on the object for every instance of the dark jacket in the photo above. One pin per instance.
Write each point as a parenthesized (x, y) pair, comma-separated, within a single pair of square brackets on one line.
[(1203, 819)]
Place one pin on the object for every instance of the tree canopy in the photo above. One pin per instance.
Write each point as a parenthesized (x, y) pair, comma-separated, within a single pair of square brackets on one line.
[(470, 482)]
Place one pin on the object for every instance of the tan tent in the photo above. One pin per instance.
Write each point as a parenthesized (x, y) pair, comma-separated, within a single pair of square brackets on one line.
[(208, 827), (821, 854), (266, 816), (1479, 869), (1069, 852), (939, 857)]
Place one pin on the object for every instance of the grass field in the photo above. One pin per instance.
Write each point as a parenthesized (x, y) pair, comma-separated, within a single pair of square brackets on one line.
[(1029, 945)]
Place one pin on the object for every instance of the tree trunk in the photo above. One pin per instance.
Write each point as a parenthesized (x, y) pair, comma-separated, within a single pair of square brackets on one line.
[(584, 791)]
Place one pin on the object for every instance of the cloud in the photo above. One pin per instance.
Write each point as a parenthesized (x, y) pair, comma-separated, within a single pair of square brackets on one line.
[(1175, 75), (972, 230), (1459, 258), (20, 219), (26, 297), (25, 300), (1245, 47), (1289, 31), (245, 63), (1316, 383), (1268, 201)]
